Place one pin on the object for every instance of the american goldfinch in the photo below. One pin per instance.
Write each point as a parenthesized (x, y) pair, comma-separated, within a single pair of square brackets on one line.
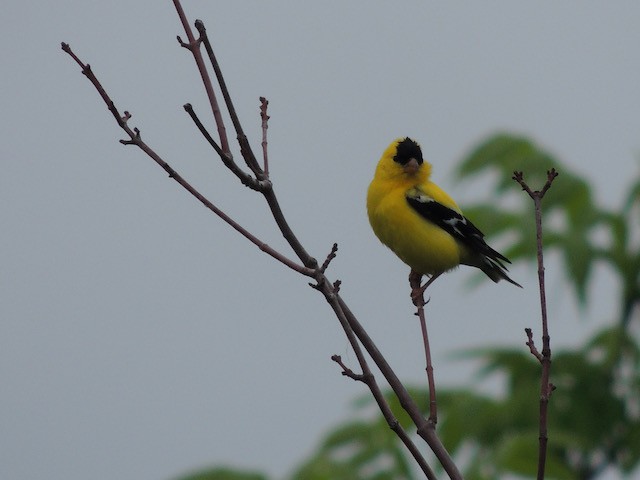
[(420, 222)]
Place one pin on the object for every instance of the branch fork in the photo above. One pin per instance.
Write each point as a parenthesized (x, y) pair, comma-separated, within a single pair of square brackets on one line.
[(191, 46), (347, 372)]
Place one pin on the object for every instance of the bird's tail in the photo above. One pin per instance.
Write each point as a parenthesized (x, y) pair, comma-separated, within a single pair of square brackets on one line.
[(496, 270)]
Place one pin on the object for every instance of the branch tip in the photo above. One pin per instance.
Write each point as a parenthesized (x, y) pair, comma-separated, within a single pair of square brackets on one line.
[(199, 24), (532, 347), (538, 194), (346, 371), (264, 103), (330, 256), (551, 176), (519, 177), (189, 45)]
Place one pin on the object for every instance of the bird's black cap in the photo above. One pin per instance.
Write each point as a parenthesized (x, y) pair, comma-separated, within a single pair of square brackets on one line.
[(408, 149)]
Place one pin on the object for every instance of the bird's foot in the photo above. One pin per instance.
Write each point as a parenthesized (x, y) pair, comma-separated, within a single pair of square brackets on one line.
[(417, 290)]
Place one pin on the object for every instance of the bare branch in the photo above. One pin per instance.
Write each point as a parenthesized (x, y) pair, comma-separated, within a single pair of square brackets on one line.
[(193, 46), (545, 357), (354, 331), (264, 103), (532, 347), (136, 139), (189, 109), (346, 371), (226, 157), (348, 322), (286, 230), (330, 256), (551, 175), (245, 147), (417, 295), (425, 429)]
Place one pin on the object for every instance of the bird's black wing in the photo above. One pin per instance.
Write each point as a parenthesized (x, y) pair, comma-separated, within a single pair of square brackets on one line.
[(452, 222)]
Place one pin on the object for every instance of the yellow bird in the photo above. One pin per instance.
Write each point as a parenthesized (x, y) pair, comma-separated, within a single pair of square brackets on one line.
[(421, 223)]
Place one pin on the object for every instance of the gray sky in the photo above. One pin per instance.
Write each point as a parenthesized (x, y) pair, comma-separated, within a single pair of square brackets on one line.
[(140, 337)]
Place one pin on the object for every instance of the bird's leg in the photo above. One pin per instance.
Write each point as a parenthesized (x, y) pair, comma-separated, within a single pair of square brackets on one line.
[(430, 281), (415, 279), (417, 291), (417, 295)]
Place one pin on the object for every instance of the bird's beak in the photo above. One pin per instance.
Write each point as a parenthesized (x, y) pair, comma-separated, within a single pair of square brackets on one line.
[(411, 166)]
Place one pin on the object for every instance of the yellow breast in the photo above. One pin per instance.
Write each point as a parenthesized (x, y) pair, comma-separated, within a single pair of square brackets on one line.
[(423, 246)]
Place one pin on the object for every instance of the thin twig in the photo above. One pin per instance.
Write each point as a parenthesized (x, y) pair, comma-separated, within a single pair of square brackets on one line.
[(136, 139), (425, 428), (417, 295), (245, 147), (346, 320), (545, 357), (264, 103), (346, 371), (193, 46), (330, 257), (227, 157), (392, 421), (532, 346), (291, 238), (331, 295)]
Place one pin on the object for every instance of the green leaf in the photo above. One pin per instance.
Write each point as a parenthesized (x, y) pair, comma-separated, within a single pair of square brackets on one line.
[(570, 201), (467, 416), (633, 197), (364, 449), (224, 473), (578, 257), (506, 153), (517, 453)]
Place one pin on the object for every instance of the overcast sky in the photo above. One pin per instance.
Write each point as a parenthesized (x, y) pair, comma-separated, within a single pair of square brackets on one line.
[(140, 337)]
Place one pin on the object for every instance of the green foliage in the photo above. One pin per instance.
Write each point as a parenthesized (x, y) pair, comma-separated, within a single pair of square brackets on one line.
[(574, 223), (594, 414), (222, 473), (363, 449), (594, 419)]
